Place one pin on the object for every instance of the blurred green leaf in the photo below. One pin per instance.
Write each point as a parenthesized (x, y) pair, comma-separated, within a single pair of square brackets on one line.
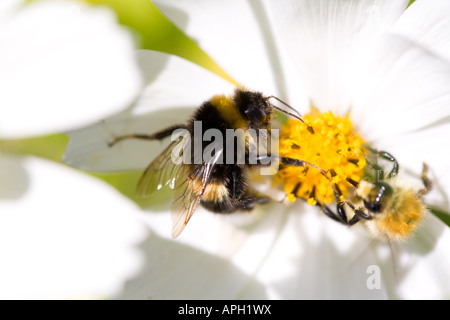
[(441, 215), (50, 147), (410, 3)]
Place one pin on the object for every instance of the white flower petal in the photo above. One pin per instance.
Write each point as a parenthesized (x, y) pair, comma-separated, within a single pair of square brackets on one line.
[(174, 270), (401, 88), (274, 252), (212, 266), (326, 39), (7, 7), (176, 87), (88, 147), (63, 65), (427, 23), (291, 253), (68, 236), (425, 262), (315, 257), (175, 83), (237, 35)]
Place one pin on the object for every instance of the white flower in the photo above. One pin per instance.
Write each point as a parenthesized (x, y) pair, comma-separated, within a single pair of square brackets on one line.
[(388, 66), (62, 234)]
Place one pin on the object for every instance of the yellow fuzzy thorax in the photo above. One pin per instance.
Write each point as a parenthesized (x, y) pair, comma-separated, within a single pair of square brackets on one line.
[(229, 111), (335, 147)]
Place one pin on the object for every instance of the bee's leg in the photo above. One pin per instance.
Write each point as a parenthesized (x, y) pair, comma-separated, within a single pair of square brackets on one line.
[(249, 201), (340, 208), (427, 183), (352, 182), (245, 203), (386, 156), (340, 216), (236, 175), (359, 214), (285, 161), (379, 171), (245, 198), (299, 163), (330, 214), (159, 135), (340, 204)]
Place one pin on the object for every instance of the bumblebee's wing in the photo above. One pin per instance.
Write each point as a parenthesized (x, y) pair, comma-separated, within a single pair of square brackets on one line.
[(165, 168), (189, 190)]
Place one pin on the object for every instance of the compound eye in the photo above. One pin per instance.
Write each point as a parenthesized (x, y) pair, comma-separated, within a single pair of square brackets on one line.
[(373, 206), (378, 197), (255, 114)]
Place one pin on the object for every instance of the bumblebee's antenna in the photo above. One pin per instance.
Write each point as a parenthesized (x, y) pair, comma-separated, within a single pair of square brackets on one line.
[(310, 128), (279, 109)]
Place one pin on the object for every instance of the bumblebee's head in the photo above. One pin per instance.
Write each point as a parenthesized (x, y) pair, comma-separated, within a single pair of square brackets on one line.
[(257, 109), (376, 196), (253, 107)]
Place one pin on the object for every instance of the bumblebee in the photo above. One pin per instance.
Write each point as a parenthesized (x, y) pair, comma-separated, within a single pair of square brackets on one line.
[(390, 207), (218, 186)]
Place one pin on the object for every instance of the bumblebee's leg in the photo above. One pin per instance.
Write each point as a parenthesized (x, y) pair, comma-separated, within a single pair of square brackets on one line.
[(386, 156), (245, 203), (330, 214), (248, 201), (325, 209), (285, 161), (359, 214), (340, 204), (159, 135), (245, 199), (427, 183), (299, 163), (352, 182), (340, 208), (340, 216)]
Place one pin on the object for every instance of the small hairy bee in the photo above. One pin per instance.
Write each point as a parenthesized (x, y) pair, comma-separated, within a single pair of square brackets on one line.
[(218, 186), (390, 207)]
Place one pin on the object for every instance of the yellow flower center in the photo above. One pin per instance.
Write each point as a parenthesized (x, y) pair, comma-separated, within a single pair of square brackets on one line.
[(334, 146)]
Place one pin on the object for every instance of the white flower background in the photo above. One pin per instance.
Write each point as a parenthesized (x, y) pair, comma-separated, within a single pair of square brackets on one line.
[(65, 234)]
